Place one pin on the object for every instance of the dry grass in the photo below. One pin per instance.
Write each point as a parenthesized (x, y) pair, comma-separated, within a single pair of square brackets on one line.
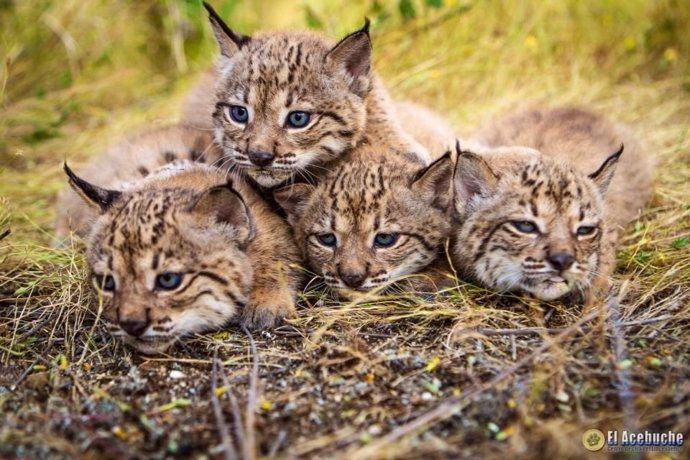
[(463, 374)]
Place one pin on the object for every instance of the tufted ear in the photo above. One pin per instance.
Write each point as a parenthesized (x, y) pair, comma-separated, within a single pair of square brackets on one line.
[(353, 54), (432, 183), (225, 205), (229, 41), (473, 177), (293, 198), (92, 194), (603, 176)]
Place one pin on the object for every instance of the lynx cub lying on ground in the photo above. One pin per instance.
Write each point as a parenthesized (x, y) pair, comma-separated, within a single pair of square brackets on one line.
[(545, 221), (184, 250), (286, 103)]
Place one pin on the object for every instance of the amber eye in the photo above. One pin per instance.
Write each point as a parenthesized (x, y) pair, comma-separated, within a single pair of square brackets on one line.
[(168, 281), (385, 240), (525, 226), (327, 239), (586, 230), (104, 282)]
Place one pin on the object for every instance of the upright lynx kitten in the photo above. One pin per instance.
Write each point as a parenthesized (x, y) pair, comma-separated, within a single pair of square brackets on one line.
[(286, 103), (545, 222), (184, 250), (131, 160)]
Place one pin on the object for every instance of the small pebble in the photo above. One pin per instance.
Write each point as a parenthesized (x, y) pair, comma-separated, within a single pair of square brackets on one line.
[(175, 374), (375, 430)]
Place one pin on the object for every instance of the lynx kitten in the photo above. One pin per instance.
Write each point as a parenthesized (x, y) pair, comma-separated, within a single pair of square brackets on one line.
[(184, 250), (545, 221), (286, 103)]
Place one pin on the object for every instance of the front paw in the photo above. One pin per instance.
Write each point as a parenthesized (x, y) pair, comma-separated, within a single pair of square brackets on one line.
[(268, 312)]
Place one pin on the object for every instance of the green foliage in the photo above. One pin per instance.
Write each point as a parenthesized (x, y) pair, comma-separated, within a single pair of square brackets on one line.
[(681, 243), (312, 19), (407, 9)]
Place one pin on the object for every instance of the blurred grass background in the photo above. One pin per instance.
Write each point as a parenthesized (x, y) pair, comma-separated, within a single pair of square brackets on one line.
[(77, 75)]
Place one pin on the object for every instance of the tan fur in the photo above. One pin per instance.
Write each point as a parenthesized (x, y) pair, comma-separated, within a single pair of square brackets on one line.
[(559, 188), (130, 160), (272, 74), (582, 139), (236, 257), (426, 127), (365, 197)]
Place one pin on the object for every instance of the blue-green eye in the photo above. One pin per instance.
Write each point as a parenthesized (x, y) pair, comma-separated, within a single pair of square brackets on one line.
[(525, 226), (104, 282), (168, 281), (327, 239), (298, 119), (385, 240), (586, 230), (237, 113)]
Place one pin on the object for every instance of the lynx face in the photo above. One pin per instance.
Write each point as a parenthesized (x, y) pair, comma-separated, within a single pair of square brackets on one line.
[(167, 262), (369, 222), (536, 227), (287, 101)]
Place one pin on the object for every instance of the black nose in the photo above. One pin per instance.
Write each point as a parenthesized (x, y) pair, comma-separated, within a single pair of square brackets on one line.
[(260, 158), (134, 327), (561, 260), (353, 280)]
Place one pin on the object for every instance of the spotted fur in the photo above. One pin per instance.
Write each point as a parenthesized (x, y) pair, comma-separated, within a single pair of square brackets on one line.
[(545, 221), (370, 221), (273, 74), (233, 258), (131, 160)]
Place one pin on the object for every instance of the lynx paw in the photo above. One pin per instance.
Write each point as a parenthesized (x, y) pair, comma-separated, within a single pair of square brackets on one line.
[(265, 312)]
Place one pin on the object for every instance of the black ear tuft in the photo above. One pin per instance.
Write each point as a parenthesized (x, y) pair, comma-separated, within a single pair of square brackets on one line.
[(433, 182), (228, 40), (603, 176), (92, 194)]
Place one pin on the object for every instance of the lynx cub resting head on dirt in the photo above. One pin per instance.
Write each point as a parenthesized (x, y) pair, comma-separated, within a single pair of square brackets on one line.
[(183, 251), (288, 102), (371, 220), (545, 222)]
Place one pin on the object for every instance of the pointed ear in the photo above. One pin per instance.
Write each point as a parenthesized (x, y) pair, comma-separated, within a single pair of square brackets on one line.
[(292, 198), (353, 55), (228, 41), (473, 177), (603, 176), (92, 194), (223, 204), (433, 182)]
